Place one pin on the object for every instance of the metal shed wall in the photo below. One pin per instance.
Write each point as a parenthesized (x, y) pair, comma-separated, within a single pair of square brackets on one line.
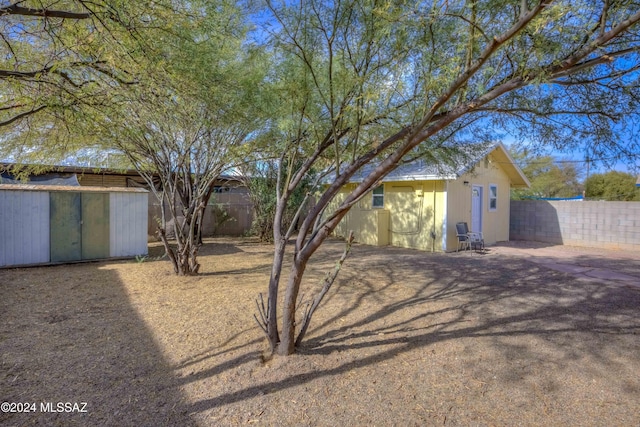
[(128, 221), (101, 223), (24, 227)]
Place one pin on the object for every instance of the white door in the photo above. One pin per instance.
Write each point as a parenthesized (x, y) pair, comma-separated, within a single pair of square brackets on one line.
[(476, 208)]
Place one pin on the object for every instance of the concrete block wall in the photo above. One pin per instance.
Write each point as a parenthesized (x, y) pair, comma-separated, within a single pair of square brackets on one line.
[(611, 225)]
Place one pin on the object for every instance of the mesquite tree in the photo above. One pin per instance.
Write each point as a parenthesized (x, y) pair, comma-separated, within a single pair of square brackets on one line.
[(180, 148), (368, 81), (178, 120), (186, 121), (60, 57)]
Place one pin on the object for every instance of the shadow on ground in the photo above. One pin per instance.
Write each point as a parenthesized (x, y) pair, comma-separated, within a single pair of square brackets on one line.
[(405, 337), (69, 334), (508, 321)]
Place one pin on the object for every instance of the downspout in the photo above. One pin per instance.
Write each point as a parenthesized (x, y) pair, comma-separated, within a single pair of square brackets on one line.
[(433, 228), (444, 216)]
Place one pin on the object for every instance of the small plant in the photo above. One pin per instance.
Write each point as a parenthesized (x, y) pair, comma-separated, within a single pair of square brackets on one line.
[(141, 258)]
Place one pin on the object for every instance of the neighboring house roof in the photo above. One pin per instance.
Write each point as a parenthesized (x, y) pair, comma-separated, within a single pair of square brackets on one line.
[(52, 174), (638, 181), (45, 179), (66, 188), (421, 170)]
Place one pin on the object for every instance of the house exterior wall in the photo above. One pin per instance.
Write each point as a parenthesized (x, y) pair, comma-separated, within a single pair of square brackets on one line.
[(102, 180), (423, 213), (494, 222), (416, 214), (411, 217)]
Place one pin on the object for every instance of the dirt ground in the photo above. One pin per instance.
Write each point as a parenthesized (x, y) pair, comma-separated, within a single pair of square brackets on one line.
[(404, 338)]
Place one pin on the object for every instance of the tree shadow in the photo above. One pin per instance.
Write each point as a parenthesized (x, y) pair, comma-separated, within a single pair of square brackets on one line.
[(74, 333), (415, 301), (70, 334)]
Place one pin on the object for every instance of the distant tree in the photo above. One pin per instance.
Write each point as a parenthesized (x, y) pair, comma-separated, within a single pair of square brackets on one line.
[(612, 186), (261, 179), (548, 178)]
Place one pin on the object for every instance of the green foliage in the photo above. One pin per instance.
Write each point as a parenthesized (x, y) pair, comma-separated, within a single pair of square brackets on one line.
[(612, 186), (548, 179), (220, 215), (141, 258), (66, 57), (363, 81), (261, 180)]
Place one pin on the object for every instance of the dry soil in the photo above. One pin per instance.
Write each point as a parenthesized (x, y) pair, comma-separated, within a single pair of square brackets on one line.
[(404, 338)]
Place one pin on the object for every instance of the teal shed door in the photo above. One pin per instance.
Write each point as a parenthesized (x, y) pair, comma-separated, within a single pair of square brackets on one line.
[(65, 226), (95, 225), (79, 226)]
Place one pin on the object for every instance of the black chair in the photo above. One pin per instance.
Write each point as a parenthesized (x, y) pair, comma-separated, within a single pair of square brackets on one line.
[(462, 233), (468, 239)]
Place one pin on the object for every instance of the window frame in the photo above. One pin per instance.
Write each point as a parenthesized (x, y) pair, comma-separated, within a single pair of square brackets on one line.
[(377, 196), (492, 196)]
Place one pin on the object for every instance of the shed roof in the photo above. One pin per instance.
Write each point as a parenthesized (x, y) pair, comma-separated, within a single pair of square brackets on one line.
[(67, 188), (11, 168), (421, 170)]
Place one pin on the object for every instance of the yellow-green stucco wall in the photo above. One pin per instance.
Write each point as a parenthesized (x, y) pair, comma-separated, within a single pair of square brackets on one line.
[(412, 216), (495, 223), (423, 214)]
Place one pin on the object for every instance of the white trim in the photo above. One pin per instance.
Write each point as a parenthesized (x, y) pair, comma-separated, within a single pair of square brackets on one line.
[(444, 214), (489, 209), (481, 187), (513, 162)]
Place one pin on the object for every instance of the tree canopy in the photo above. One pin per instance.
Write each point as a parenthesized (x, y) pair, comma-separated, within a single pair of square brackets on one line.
[(548, 178), (58, 56), (324, 88), (612, 186)]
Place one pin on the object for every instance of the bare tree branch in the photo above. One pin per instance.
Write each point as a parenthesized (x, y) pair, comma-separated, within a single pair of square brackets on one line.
[(15, 9)]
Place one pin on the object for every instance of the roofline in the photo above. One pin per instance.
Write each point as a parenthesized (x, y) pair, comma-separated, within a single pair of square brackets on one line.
[(71, 169), (94, 170), (415, 178), (513, 162), (69, 188), (468, 167)]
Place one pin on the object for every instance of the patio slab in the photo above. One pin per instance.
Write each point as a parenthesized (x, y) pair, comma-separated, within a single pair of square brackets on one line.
[(592, 264)]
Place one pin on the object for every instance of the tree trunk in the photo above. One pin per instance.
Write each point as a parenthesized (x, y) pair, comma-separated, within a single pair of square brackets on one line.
[(287, 344), (184, 259), (272, 300)]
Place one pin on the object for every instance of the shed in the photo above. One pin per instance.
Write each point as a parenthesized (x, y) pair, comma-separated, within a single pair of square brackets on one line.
[(45, 224), (418, 204), (230, 199)]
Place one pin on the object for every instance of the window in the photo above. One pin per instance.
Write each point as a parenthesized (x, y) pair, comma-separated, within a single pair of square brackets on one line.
[(493, 197), (378, 197)]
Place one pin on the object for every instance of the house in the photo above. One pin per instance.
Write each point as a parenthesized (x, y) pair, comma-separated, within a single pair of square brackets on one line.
[(231, 195), (418, 204)]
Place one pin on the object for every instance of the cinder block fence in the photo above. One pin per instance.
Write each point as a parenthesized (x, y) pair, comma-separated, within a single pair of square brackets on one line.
[(611, 225)]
